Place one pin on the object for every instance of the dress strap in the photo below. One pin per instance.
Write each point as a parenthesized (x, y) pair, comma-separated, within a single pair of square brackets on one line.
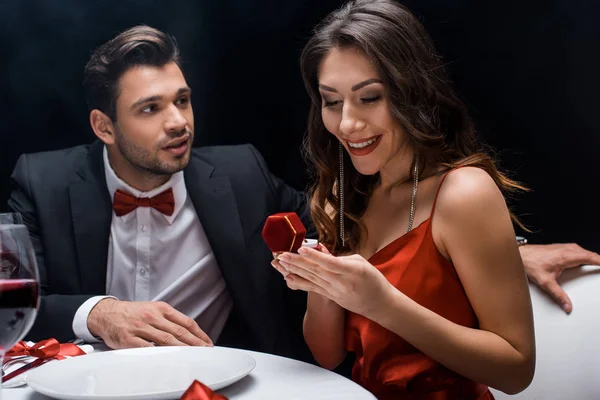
[(438, 190)]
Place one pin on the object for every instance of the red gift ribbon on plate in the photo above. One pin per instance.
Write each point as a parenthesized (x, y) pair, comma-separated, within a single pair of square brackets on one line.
[(49, 349), (199, 391)]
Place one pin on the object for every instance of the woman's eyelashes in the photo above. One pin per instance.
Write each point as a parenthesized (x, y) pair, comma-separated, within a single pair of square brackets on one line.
[(331, 103), (364, 100), (370, 99)]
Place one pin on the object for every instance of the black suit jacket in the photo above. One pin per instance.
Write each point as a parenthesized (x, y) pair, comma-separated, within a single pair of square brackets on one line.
[(64, 201)]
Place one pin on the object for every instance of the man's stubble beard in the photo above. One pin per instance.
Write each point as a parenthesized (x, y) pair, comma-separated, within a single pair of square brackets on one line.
[(148, 163)]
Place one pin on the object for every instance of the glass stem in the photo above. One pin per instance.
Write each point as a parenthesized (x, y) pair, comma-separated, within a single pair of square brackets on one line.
[(1, 372)]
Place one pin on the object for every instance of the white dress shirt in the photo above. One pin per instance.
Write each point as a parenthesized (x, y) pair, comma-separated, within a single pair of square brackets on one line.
[(155, 257)]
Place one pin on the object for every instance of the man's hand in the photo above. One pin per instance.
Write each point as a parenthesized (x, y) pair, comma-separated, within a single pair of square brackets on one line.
[(545, 263), (123, 324)]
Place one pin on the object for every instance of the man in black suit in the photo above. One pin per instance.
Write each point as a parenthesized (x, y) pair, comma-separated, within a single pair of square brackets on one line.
[(141, 240)]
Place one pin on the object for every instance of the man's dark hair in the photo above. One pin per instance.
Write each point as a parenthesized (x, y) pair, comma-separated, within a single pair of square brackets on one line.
[(137, 46)]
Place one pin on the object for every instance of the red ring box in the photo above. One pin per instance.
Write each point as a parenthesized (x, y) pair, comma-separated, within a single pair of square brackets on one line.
[(284, 232)]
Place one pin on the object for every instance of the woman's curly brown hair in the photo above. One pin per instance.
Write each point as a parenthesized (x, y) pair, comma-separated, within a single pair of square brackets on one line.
[(422, 100)]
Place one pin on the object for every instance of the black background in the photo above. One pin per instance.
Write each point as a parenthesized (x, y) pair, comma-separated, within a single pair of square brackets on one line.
[(527, 70)]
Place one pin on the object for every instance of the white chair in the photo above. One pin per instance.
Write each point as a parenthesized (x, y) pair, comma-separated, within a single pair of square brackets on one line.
[(568, 346)]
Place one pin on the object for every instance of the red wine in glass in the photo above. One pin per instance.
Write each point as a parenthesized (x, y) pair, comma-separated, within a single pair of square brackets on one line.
[(18, 304), (19, 277)]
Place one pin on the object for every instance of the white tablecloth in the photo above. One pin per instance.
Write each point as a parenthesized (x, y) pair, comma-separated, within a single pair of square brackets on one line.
[(274, 378), (568, 357)]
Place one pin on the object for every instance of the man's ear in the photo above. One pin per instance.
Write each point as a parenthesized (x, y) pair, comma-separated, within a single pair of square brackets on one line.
[(102, 126)]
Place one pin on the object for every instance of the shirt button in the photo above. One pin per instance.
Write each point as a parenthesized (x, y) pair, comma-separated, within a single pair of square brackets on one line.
[(142, 272), (143, 228)]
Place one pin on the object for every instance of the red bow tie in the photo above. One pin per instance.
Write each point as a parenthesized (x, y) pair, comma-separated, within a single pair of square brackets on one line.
[(124, 203)]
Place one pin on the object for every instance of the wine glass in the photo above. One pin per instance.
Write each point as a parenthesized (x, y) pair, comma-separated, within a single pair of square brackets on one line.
[(19, 282)]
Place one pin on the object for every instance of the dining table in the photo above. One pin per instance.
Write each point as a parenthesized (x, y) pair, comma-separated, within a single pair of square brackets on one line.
[(273, 377)]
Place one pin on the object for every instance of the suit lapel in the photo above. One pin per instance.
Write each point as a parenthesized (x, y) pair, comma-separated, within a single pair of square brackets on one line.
[(91, 213), (216, 206)]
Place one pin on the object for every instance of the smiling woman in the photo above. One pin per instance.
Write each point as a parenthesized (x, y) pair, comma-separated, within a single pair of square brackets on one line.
[(424, 282), (356, 109)]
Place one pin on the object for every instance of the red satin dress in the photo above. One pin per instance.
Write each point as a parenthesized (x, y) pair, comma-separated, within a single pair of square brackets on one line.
[(386, 364)]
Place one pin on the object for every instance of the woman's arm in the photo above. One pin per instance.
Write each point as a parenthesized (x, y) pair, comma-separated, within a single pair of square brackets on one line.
[(324, 320), (473, 224), (323, 328)]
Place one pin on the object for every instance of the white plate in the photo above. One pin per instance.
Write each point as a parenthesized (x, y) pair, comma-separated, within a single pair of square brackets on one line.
[(143, 373)]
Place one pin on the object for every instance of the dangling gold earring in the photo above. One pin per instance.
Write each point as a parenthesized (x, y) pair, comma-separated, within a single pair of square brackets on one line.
[(341, 195)]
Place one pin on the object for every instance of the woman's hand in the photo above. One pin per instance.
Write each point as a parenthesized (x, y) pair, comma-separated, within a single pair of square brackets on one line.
[(350, 281)]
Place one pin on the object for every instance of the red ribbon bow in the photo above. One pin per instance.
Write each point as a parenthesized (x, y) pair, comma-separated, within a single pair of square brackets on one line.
[(49, 349), (199, 391)]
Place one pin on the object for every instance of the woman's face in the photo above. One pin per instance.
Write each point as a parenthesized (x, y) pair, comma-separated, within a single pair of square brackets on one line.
[(356, 109)]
